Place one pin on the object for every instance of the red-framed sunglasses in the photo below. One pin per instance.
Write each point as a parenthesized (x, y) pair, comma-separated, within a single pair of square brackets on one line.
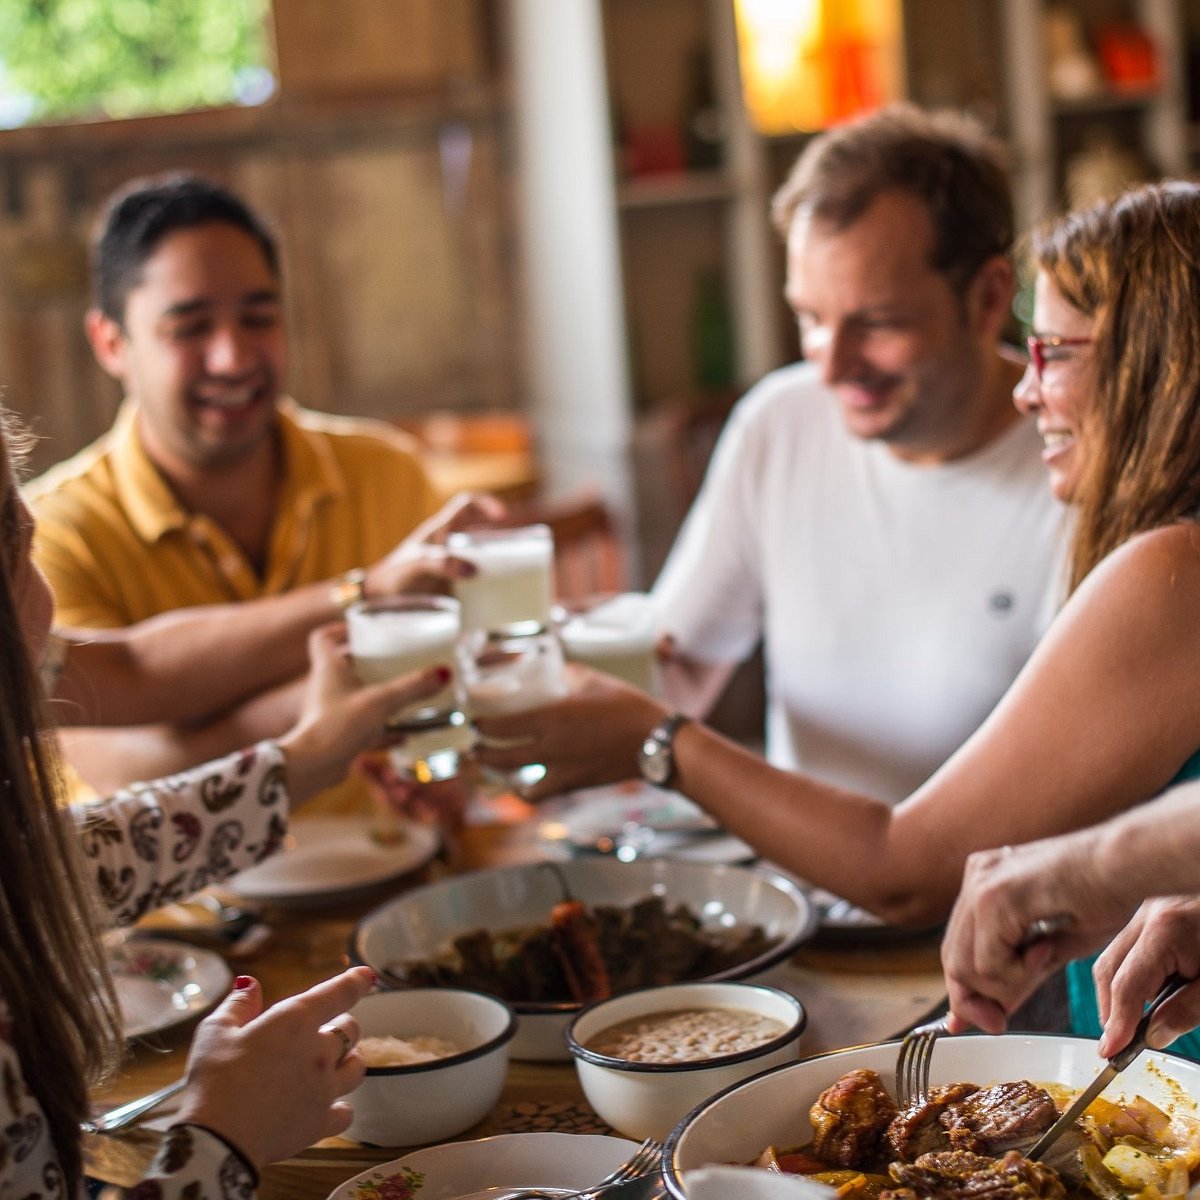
[(1038, 346)]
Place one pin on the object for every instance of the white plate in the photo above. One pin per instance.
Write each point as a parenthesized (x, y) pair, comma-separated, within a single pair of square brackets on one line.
[(161, 983), (670, 824), (476, 1170), (328, 858)]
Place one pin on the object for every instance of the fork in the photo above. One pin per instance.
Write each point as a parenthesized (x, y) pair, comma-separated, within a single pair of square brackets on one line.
[(645, 1159), (912, 1064)]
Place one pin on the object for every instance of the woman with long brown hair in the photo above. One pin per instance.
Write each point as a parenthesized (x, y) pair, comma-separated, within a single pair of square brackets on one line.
[(1106, 712), (261, 1085)]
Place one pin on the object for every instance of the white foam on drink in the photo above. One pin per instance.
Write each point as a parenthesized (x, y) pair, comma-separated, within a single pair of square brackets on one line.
[(387, 632), (622, 625), (507, 558)]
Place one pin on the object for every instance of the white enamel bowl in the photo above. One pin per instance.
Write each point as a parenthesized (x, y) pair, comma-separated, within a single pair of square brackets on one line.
[(737, 1124), (423, 922), (641, 1099), (431, 1101)]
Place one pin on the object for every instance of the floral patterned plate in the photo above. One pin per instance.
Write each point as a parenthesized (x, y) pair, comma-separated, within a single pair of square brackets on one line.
[(161, 983), (488, 1166)]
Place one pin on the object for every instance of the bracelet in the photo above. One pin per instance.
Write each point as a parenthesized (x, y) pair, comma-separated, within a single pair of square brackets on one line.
[(349, 590)]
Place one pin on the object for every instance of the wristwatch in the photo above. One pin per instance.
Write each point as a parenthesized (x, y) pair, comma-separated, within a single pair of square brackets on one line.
[(351, 589), (656, 757)]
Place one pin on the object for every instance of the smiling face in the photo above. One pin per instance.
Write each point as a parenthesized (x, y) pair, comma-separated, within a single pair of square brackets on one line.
[(201, 350), (1065, 391), (898, 344)]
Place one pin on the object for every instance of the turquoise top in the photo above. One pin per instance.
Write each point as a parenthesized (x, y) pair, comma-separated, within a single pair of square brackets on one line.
[(1085, 1014)]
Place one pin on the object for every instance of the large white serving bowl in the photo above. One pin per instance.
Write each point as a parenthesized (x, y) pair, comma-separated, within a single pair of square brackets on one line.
[(646, 1099), (423, 922), (738, 1123)]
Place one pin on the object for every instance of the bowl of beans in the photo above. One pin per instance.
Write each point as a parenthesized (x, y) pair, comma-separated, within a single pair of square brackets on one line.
[(647, 1058), (436, 1063)]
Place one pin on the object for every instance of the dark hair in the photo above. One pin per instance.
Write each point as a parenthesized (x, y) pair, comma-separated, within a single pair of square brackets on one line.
[(1133, 265), (139, 215), (65, 1016), (946, 160)]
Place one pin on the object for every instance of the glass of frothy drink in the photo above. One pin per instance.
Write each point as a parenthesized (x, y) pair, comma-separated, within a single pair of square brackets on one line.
[(410, 633), (512, 588), (512, 673), (615, 634)]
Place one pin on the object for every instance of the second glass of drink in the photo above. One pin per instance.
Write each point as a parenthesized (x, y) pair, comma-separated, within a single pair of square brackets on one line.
[(392, 637)]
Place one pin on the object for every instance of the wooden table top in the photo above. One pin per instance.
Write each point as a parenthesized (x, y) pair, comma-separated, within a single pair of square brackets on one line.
[(853, 994)]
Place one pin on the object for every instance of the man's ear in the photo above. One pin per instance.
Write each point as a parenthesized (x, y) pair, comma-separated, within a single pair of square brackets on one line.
[(990, 296), (108, 342)]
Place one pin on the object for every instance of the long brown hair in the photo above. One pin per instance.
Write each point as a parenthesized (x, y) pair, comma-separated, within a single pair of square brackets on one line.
[(52, 972), (1133, 266)]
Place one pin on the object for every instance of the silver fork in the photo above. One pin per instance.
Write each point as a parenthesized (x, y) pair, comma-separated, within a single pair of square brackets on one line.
[(645, 1159), (912, 1064)]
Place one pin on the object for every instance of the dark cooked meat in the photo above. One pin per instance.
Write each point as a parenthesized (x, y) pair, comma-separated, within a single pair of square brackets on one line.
[(1007, 1116), (919, 1130), (849, 1119), (960, 1175)]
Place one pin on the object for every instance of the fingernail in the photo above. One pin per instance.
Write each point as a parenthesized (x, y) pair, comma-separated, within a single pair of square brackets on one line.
[(242, 982), (442, 674)]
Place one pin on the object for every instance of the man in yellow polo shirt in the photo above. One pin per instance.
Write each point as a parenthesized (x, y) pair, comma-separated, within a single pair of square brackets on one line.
[(212, 487)]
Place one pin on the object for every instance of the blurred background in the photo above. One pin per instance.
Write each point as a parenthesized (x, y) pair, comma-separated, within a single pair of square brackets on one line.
[(532, 231)]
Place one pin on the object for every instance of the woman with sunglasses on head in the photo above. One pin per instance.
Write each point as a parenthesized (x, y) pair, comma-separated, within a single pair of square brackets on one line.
[(1106, 712), (261, 1084)]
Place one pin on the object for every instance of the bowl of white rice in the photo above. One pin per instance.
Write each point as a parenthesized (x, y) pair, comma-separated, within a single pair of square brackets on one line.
[(436, 1064)]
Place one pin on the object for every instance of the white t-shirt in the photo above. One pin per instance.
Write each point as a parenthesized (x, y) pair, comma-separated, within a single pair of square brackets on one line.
[(897, 602)]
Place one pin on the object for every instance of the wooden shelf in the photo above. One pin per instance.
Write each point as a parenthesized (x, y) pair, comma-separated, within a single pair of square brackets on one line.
[(657, 191), (1107, 102)]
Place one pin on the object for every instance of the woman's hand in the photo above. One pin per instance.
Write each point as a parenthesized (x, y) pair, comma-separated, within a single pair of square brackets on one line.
[(991, 962), (1163, 938), (269, 1082), (420, 563), (590, 737), (341, 717)]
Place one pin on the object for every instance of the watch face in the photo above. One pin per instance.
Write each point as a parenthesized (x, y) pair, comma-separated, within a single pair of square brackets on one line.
[(655, 761)]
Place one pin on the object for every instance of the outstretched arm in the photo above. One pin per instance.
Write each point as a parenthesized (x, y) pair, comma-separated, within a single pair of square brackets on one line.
[(1101, 718)]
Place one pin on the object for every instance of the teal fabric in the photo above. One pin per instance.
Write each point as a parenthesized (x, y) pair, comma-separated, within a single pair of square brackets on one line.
[(1081, 992)]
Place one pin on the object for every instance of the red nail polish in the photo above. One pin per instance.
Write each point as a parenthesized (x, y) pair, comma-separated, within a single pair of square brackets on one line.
[(443, 674), (242, 982)]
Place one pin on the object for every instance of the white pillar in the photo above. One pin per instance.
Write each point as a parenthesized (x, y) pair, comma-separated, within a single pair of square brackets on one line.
[(574, 310)]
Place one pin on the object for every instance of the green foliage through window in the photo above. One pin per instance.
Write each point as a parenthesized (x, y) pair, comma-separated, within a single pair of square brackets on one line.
[(80, 59)]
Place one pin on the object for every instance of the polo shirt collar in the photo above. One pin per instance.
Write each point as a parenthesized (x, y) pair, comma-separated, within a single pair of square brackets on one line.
[(311, 474)]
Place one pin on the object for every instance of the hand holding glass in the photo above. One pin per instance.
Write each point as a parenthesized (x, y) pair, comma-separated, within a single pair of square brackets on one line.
[(409, 633)]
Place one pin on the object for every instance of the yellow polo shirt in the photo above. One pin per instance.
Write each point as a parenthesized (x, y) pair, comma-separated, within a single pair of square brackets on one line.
[(118, 547)]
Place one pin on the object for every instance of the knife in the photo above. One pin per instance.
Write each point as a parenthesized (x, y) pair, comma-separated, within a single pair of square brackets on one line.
[(1116, 1065)]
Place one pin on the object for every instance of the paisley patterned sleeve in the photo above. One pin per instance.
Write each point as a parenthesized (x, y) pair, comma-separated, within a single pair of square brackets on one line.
[(154, 843), (191, 1163)]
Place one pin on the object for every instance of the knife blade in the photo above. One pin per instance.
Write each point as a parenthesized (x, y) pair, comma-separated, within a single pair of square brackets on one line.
[(1074, 1111), (1116, 1065)]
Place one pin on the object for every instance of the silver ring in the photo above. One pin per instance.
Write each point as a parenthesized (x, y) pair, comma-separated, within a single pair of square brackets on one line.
[(1045, 927), (344, 1037)]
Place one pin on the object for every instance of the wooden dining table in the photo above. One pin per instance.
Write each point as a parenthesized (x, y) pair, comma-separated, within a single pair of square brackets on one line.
[(856, 990)]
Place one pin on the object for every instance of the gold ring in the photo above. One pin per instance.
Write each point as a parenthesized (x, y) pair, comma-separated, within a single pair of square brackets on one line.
[(344, 1037)]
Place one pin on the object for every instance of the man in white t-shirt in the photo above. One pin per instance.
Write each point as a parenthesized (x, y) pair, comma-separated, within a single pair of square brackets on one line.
[(879, 514)]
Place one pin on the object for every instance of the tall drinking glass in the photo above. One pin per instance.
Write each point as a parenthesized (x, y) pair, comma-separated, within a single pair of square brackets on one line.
[(409, 633), (513, 585), (613, 633), (511, 673)]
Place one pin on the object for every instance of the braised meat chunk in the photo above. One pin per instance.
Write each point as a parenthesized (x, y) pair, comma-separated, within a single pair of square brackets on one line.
[(850, 1118), (919, 1130), (961, 1175), (1007, 1116)]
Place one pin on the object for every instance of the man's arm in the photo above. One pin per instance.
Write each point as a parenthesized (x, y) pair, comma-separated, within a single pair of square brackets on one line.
[(187, 665), (107, 758)]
